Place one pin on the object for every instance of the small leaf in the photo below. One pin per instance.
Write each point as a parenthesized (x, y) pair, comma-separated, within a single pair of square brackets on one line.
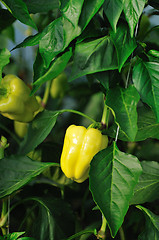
[(19, 10), (116, 174), (38, 130), (147, 189), (29, 41), (124, 44), (90, 8), (4, 59), (133, 10), (152, 225), (113, 9), (123, 103), (146, 81), (16, 171), (94, 56)]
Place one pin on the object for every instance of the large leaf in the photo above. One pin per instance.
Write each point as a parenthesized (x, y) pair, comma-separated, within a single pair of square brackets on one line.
[(36, 6), (58, 34), (38, 130), (57, 66), (94, 56), (147, 126), (16, 171), (133, 10), (124, 44), (55, 220), (146, 81), (147, 189), (6, 19), (19, 10), (151, 230), (116, 174), (4, 59), (113, 9), (123, 103)]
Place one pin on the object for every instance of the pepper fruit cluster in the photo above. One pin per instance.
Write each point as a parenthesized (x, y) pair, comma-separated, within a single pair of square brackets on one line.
[(15, 100), (80, 146)]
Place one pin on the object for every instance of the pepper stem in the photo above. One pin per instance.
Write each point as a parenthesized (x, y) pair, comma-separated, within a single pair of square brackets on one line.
[(101, 233), (105, 116)]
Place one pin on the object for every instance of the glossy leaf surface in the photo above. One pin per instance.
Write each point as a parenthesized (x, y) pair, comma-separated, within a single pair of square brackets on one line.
[(147, 189), (146, 81), (151, 230), (123, 103), (116, 174)]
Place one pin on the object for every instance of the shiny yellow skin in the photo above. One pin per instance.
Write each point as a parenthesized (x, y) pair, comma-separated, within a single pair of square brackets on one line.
[(20, 128), (59, 86), (80, 146), (17, 104)]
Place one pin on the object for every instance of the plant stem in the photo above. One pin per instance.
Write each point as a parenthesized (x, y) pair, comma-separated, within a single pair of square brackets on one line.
[(101, 233), (46, 93), (4, 213), (105, 116), (79, 113), (121, 232)]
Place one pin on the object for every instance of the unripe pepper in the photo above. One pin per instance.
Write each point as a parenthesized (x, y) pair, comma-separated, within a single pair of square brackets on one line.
[(59, 86), (15, 100), (80, 146), (20, 128)]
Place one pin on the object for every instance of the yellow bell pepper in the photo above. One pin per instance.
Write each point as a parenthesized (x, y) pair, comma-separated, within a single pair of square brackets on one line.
[(15, 100), (80, 146)]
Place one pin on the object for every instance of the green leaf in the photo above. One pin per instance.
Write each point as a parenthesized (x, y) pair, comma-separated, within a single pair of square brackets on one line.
[(6, 19), (38, 130), (55, 220), (147, 189), (146, 81), (90, 8), (19, 10), (4, 59), (72, 10), (113, 9), (57, 66), (36, 6), (29, 41), (124, 44), (16, 171), (147, 126), (94, 56), (152, 225), (116, 174), (58, 34), (123, 103), (133, 10)]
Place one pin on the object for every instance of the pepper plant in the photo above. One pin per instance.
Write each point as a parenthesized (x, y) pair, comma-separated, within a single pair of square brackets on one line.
[(108, 53)]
